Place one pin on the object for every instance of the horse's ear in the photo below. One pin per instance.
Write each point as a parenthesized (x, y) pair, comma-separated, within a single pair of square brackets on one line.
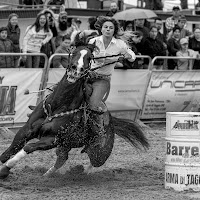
[(79, 39)]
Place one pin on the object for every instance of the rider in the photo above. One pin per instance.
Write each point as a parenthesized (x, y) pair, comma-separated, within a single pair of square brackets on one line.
[(107, 44)]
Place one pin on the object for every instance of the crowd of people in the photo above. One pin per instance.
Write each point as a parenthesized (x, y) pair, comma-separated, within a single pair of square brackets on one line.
[(54, 33)]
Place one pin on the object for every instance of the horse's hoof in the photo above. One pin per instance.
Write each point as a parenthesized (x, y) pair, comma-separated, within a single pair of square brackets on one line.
[(4, 172)]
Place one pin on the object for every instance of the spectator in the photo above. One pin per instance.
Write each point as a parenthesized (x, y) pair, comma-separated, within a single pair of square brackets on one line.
[(172, 21), (113, 9), (76, 28), (135, 39), (35, 37), (194, 43), (91, 23), (51, 20), (154, 47), (62, 61), (62, 28), (160, 36), (6, 46), (131, 38), (184, 63), (77, 23), (128, 26), (173, 46), (181, 23), (49, 47), (13, 31), (139, 24)]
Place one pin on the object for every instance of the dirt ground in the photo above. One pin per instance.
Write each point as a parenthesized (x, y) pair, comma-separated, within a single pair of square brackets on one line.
[(128, 174)]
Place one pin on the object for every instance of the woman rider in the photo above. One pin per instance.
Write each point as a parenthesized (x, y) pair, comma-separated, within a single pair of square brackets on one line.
[(108, 44)]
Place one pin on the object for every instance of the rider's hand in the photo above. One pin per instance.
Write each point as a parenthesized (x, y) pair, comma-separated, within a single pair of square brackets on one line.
[(127, 56)]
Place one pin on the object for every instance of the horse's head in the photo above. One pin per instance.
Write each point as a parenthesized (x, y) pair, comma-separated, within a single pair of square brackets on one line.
[(80, 60)]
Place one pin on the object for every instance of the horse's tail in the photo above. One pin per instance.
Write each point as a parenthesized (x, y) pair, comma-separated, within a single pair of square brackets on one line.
[(131, 132)]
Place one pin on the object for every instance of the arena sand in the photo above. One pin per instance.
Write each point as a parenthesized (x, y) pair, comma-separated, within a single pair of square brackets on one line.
[(127, 174)]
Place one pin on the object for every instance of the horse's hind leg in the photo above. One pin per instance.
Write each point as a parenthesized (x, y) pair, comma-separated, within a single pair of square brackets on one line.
[(62, 156), (99, 153)]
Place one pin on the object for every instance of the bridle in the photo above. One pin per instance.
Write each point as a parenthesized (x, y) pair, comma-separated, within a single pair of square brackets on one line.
[(47, 109), (91, 58)]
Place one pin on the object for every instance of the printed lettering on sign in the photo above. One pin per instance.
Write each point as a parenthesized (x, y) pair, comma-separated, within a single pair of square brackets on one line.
[(7, 100), (182, 150), (180, 84), (171, 178), (186, 125), (188, 179)]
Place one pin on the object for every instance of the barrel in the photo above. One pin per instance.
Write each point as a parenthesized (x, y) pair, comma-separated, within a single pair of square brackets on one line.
[(182, 165)]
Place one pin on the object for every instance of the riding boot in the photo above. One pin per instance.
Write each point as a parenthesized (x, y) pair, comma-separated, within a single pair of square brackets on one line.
[(97, 125)]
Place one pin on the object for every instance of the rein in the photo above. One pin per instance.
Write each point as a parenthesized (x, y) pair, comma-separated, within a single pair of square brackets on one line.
[(50, 117)]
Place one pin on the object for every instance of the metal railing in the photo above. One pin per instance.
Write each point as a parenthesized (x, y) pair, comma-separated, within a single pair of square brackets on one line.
[(171, 58), (137, 56)]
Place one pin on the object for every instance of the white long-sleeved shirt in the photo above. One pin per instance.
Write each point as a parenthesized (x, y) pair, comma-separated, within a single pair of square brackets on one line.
[(116, 46), (33, 40)]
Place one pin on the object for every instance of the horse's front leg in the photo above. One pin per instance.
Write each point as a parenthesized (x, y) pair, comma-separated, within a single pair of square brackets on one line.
[(62, 156), (45, 143), (21, 138)]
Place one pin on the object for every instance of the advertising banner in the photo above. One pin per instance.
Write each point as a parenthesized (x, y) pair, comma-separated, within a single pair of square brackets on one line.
[(13, 103), (171, 91), (128, 88), (127, 91)]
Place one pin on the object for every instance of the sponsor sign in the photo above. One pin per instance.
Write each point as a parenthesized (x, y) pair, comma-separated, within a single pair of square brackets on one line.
[(13, 103), (170, 91)]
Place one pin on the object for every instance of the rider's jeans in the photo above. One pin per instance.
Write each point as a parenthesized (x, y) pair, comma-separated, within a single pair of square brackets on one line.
[(100, 87)]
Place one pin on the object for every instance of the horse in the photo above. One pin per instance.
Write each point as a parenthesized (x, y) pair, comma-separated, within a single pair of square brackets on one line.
[(63, 120)]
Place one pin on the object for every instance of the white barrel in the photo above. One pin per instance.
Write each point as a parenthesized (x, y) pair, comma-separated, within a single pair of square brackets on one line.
[(182, 165)]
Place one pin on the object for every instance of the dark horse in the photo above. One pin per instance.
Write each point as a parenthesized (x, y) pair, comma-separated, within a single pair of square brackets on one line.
[(63, 121)]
